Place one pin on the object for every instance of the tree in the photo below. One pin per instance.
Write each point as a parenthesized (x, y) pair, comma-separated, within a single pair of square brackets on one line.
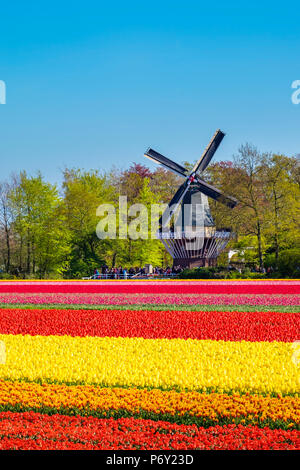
[(84, 191), (283, 194), (248, 187), (6, 218), (244, 180)]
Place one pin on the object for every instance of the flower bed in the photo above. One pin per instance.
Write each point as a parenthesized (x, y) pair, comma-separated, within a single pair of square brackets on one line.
[(35, 431), (135, 287), (150, 299), (149, 324)]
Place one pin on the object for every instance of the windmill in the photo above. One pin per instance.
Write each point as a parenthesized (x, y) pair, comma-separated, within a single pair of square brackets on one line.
[(187, 246)]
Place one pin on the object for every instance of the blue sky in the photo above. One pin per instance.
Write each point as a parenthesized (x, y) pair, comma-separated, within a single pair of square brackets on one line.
[(92, 84)]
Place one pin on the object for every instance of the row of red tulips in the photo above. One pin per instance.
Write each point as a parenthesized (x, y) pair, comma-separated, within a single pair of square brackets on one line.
[(36, 431), (227, 326)]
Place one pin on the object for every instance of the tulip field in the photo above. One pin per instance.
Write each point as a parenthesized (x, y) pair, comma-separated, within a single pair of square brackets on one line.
[(137, 365)]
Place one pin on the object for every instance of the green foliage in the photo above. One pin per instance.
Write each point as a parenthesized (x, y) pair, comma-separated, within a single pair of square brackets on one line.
[(7, 276), (287, 263), (268, 190), (39, 227), (219, 272), (204, 273), (83, 193)]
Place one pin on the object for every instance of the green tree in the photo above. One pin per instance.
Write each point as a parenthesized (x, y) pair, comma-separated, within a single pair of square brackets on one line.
[(84, 191), (245, 181), (38, 225), (6, 218), (283, 194)]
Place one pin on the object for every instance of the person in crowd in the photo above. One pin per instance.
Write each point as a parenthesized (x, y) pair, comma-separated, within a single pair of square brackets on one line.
[(104, 269), (131, 271)]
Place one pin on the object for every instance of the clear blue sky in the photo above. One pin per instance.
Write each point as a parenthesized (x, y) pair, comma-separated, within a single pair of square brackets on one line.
[(92, 84)]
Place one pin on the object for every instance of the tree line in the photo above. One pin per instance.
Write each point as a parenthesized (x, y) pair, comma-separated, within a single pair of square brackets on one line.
[(50, 231)]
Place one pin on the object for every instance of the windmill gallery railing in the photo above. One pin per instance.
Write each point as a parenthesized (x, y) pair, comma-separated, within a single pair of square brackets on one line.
[(199, 248)]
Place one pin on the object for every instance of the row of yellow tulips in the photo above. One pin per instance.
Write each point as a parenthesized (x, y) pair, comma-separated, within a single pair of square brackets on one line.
[(255, 367)]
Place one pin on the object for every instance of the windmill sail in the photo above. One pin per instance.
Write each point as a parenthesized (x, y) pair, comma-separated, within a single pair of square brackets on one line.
[(166, 162), (216, 194), (209, 152), (173, 205)]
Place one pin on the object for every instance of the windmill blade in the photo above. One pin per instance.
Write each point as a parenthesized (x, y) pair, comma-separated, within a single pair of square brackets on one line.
[(216, 194), (166, 162), (173, 205), (209, 152)]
